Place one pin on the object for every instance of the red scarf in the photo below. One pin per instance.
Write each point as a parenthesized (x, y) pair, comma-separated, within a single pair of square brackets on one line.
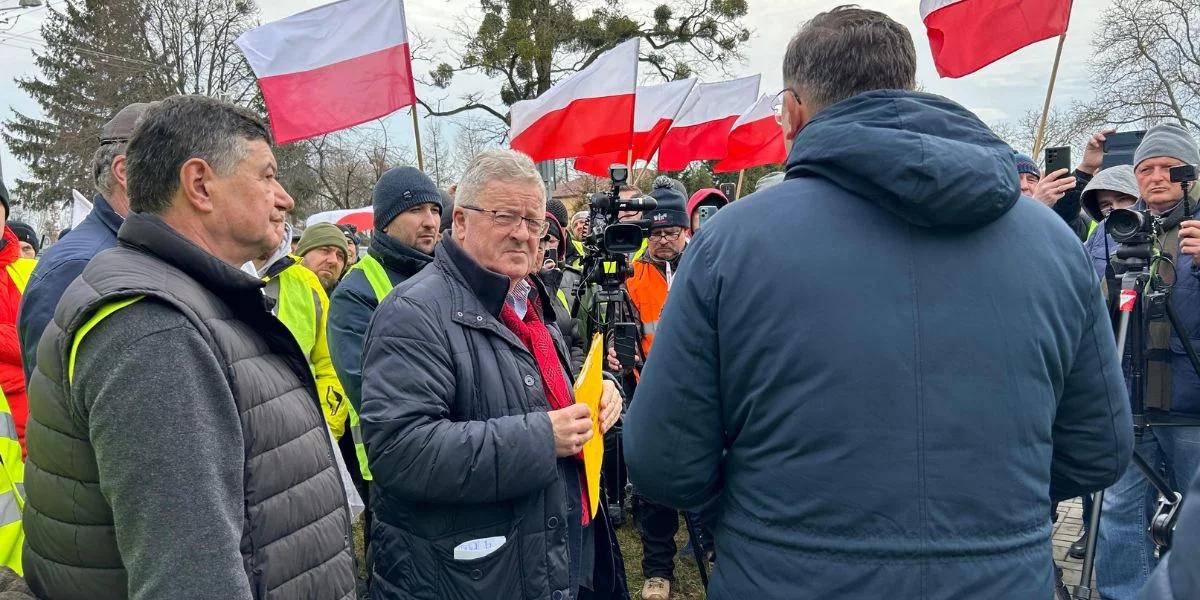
[(536, 337)]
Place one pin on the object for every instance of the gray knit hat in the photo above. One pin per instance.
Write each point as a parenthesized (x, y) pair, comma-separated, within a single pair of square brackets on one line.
[(400, 189), (1169, 140), (1118, 179)]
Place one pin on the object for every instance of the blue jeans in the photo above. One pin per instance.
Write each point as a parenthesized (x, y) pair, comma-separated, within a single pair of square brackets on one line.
[(1124, 553)]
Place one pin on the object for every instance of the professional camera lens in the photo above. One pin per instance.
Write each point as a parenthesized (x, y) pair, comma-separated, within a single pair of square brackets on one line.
[(1128, 226)]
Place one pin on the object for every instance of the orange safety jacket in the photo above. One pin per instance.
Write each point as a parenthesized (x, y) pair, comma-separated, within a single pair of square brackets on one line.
[(648, 292)]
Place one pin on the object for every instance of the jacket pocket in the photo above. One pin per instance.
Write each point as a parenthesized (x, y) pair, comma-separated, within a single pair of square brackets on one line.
[(497, 576)]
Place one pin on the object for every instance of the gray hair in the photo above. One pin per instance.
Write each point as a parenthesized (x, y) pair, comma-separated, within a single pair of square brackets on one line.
[(508, 166), (102, 162), (177, 130), (847, 51)]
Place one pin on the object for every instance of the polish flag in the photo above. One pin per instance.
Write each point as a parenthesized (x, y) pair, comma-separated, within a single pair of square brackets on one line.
[(756, 139), (967, 35), (332, 67), (590, 112), (701, 132), (656, 108)]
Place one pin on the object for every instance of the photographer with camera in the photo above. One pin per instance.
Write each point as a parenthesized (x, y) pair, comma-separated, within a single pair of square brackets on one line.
[(1125, 552)]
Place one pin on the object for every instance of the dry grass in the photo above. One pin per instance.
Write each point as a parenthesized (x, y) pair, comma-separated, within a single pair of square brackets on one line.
[(687, 579)]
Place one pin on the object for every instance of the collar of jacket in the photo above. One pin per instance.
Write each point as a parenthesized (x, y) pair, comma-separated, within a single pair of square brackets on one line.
[(279, 266), (150, 234), (397, 256), (105, 213), (489, 287)]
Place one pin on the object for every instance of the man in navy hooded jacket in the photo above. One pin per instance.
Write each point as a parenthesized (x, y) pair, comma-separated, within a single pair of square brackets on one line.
[(930, 365), (65, 260)]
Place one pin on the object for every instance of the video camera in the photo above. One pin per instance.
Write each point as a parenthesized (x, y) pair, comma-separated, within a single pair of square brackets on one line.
[(1139, 231), (611, 240), (606, 266)]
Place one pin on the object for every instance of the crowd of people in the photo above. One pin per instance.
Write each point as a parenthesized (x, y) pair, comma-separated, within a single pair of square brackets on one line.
[(872, 378)]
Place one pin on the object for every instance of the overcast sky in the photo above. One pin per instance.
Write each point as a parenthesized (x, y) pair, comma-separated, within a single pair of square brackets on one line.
[(1002, 91)]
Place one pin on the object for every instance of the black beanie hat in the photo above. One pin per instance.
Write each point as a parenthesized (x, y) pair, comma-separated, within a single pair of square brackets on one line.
[(670, 209), (447, 211), (25, 233), (400, 189), (555, 207), (556, 231)]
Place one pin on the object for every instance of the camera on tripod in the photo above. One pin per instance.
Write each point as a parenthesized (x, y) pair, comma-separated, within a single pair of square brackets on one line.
[(1139, 231), (609, 234), (606, 266)]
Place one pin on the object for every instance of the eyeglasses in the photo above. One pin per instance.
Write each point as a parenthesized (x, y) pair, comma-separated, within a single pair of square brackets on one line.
[(507, 220), (666, 236), (778, 105)]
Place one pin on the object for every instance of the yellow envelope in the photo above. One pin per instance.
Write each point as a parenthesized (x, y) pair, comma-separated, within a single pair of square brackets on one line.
[(588, 388)]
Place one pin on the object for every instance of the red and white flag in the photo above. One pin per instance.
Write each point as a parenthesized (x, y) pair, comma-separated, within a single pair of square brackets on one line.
[(701, 131), (967, 35), (590, 112), (332, 67), (755, 140), (655, 110)]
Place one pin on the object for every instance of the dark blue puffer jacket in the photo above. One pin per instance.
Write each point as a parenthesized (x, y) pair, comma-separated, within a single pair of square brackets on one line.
[(886, 405)]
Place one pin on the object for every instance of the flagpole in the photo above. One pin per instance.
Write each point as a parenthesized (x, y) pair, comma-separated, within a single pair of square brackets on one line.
[(632, 178), (1041, 132), (417, 134), (741, 177)]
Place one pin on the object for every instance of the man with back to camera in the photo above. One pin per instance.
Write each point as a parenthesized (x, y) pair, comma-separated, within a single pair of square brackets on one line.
[(874, 418)]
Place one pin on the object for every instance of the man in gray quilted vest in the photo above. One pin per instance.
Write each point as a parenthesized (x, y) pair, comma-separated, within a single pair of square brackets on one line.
[(177, 447)]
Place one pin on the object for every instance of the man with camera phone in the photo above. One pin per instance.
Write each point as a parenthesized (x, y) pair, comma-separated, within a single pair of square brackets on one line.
[(1125, 552)]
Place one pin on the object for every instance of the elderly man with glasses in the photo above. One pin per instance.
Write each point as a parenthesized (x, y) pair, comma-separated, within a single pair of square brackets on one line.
[(472, 430)]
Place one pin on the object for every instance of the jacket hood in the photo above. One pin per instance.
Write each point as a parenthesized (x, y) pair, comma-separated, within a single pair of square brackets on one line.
[(1119, 178), (920, 156), (705, 194)]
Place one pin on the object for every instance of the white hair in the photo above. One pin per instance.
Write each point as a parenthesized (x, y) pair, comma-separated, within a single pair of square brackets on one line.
[(489, 166)]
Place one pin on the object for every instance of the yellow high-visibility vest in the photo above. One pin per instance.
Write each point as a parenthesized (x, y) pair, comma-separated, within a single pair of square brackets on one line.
[(12, 491), (20, 271), (303, 307), (381, 284)]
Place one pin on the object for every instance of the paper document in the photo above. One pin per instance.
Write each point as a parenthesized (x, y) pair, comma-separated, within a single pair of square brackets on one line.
[(472, 549), (588, 389)]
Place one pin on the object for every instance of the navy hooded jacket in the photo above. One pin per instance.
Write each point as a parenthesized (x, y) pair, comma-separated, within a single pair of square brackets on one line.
[(886, 404), (57, 267)]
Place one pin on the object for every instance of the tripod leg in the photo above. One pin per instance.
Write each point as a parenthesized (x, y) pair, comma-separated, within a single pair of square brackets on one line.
[(697, 550), (1083, 591)]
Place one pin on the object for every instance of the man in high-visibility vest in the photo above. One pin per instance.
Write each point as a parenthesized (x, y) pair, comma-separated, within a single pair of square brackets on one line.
[(408, 212), (12, 286), (297, 297), (12, 491)]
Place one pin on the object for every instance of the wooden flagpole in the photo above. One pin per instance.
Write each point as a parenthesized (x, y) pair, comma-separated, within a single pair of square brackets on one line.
[(741, 177), (417, 135), (1041, 132)]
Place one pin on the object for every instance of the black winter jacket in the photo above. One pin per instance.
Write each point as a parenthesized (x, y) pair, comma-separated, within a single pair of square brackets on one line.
[(460, 445), (353, 302)]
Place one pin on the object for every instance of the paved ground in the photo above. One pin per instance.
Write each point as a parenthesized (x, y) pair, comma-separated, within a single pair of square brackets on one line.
[(1066, 531)]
